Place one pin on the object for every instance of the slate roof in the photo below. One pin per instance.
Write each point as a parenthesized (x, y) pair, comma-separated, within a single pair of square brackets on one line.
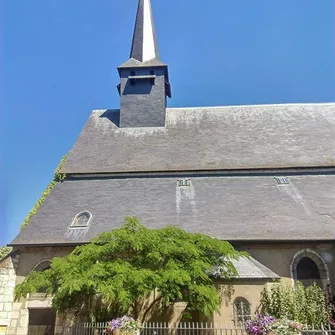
[(231, 208), (209, 138), (249, 268)]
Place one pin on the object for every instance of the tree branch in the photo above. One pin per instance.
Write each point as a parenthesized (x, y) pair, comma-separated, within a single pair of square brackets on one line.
[(152, 304)]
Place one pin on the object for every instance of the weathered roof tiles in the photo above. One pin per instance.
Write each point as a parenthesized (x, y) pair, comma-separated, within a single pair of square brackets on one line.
[(230, 208), (209, 138)]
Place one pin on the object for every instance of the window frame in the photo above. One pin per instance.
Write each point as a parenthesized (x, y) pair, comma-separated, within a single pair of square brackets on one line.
[(241, 318), (86, 213)]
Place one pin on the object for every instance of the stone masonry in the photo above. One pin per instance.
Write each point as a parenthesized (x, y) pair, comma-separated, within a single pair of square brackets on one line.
[(7, 284)]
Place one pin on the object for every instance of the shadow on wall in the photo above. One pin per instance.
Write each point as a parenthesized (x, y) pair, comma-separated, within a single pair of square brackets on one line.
[(175, 314), (226, 293), (133, 87), (113, 116)]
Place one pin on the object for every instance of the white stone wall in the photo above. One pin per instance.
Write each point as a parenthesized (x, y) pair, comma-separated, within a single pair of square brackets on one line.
[(13, 315), (7, 285)]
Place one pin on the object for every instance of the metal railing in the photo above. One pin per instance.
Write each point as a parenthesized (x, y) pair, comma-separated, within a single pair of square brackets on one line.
[(184, 328)]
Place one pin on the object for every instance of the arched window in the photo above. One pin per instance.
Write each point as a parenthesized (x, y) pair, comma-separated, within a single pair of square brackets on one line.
[(82, 219), (42, 266), (308, 267), (241, 311)]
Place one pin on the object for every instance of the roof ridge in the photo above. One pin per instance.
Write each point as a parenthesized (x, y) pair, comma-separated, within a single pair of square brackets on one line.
[(259, 105)]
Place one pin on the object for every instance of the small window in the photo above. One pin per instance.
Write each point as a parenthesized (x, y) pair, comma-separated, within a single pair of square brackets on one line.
[(184, 182), (152, 80), (241, 311), (132, 81), (81, 219), (282, 181)]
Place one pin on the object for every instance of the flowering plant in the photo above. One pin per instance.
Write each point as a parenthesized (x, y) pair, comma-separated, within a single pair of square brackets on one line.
[(286, 327), (263, 325), (125, 324), (259, 326)]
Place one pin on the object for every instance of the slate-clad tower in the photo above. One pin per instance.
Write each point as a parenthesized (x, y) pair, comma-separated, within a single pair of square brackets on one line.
[(144, 77)]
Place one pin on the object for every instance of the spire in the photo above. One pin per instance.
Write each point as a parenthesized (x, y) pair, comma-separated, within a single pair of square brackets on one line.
[(144, 78), (144, 47)]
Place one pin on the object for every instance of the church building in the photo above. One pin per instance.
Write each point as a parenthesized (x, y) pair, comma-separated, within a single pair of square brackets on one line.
[(259, 176)]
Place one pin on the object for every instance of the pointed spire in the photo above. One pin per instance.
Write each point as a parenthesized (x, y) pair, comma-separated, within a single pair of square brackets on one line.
[(144, 47)]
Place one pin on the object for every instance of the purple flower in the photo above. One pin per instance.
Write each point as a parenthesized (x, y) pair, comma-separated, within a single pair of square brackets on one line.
[(125, 323), (259, 326)]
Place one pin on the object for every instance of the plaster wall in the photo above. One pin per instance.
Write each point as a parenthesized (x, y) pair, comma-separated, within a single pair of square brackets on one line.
[(30, 257), (249, 290), (278, 257)]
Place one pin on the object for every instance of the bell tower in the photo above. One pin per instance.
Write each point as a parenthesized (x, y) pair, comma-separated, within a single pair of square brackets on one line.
[(144, 79)]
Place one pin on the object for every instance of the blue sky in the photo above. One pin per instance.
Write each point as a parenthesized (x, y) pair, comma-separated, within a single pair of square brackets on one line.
[(58, 61)]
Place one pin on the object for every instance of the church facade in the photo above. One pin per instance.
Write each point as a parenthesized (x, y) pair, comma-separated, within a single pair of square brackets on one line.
[(260, 176)]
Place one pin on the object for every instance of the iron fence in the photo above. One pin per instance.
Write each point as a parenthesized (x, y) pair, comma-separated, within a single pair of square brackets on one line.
[(184, 328)]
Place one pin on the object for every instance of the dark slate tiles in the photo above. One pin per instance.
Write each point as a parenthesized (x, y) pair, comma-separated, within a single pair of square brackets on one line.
[(210, 138), (232, 208)]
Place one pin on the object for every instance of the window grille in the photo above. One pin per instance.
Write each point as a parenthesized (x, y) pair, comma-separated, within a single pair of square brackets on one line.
[(241, 311)]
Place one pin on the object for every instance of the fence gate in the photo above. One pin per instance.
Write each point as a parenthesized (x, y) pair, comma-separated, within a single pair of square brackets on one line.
[(41, 321)]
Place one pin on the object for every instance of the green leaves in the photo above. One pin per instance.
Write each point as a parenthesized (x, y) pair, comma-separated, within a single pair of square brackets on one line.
[(58, 177), (124, 268), (304, 305), (4, 251)]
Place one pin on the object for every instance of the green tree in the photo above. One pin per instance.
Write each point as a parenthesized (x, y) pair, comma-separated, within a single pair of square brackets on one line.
[(4, 251), (304, 305), (133, 269)]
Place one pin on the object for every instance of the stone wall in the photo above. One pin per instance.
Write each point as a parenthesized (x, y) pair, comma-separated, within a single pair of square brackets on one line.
[(23, 263), (7, 284)]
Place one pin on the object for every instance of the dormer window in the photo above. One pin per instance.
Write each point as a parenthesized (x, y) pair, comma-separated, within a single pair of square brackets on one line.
[(184, 182), (81, 220), (282, 181)]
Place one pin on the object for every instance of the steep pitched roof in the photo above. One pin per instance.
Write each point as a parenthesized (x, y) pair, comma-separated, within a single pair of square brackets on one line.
[(209, 138), (230, 208)]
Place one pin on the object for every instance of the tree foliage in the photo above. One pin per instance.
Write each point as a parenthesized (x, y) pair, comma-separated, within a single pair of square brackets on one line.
[(120, 270), (304, 305), (4, 251), (58, 177)]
